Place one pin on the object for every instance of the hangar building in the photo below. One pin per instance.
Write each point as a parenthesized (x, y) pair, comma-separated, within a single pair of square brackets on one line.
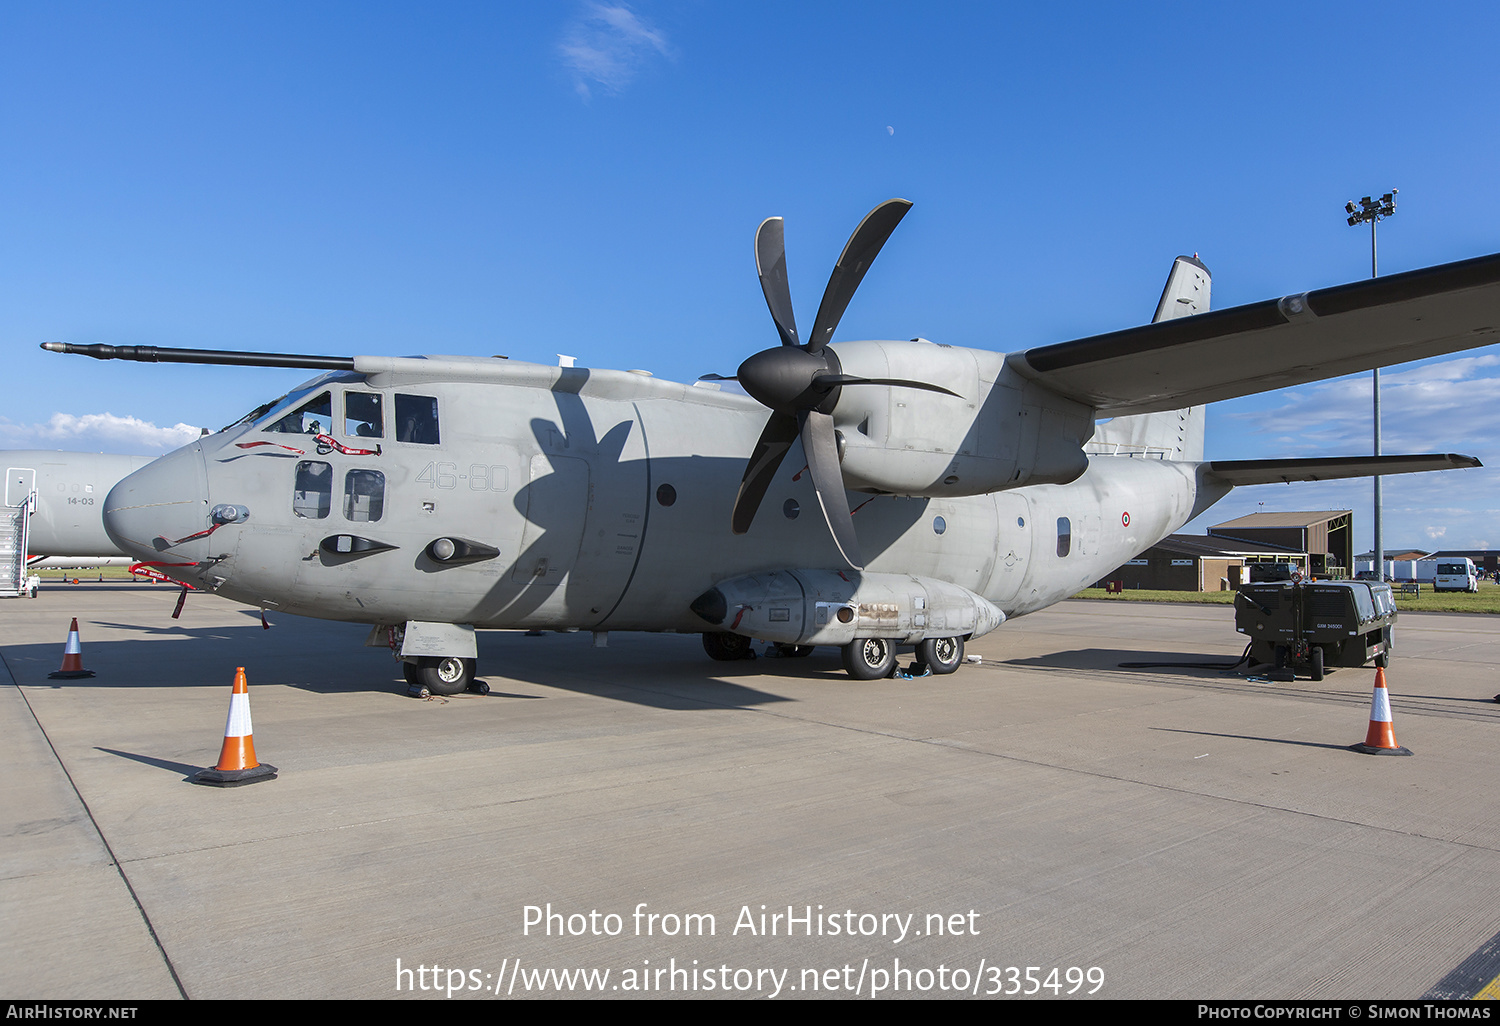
[(1327, 536)]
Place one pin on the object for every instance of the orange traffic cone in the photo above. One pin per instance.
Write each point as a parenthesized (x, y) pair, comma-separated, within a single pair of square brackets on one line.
[(72, 664), (237, 763), (1381, 737)]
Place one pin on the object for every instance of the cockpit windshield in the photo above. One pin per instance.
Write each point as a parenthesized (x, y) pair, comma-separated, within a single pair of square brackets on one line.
[(311, 418), (276, 409)]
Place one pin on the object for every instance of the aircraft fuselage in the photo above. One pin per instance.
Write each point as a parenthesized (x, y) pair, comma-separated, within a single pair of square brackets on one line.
[(605, 498)]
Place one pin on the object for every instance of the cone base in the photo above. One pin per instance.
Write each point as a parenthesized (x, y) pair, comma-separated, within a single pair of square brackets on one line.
[(69, 674), (235, 778), (1365, 749)]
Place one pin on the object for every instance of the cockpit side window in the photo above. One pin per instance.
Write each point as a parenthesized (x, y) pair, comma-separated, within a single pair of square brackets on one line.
[(417, 419), (312, 496), (362, 415), (311, 418)]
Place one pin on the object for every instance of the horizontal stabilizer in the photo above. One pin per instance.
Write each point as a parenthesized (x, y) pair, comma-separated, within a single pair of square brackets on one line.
[(1252, 472), (1276, 343)]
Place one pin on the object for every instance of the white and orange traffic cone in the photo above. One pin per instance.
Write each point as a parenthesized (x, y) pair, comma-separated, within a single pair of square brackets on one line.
[(72, 664), (237, 763), (1381, 737)]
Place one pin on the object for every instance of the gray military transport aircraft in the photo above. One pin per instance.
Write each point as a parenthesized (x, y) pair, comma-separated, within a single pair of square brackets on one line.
[(430, 497)]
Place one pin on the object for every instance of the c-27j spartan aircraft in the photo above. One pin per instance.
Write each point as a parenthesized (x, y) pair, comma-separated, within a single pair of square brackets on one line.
[(931, 492)]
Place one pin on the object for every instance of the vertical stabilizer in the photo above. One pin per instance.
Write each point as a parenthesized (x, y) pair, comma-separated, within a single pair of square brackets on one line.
[(1173, 434)]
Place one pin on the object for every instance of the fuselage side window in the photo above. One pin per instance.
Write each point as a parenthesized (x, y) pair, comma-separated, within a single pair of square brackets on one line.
[(364, 496), (1064, 536), (311, 418), (312, 495), (362, 415), (417, 419)]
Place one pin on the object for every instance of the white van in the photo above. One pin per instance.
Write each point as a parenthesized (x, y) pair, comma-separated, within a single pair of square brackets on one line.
[(1456, 575)]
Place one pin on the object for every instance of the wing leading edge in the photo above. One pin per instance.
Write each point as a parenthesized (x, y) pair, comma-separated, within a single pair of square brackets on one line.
[(1276, 343)]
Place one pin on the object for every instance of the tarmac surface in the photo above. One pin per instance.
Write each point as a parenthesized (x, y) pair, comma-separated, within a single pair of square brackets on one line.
[(1173, 832)]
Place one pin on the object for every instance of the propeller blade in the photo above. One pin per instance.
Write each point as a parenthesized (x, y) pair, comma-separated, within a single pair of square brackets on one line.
[(775, 439), (718, 377), (770, 263), (839, 380), (822, 450), (859, 253)]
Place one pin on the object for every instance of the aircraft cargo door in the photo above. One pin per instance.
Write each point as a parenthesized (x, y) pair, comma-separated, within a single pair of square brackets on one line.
[(557, 498)]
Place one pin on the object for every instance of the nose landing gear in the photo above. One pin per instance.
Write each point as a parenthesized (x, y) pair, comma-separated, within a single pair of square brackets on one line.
[(442, 675)]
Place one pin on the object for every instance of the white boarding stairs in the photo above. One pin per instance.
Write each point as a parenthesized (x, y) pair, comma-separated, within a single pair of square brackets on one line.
[(15, 516)]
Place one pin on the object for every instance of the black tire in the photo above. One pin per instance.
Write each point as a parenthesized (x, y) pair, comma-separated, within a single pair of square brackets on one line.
[(870, 658), (409, 671), (1315, 663), (445, 675), (942, 655), (726, 647)]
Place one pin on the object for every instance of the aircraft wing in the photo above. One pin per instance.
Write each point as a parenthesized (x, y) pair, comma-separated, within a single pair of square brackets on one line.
[(1251, 472), (1276, 343)]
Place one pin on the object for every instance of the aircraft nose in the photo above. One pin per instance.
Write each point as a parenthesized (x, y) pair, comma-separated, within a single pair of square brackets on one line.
[(160, 507)]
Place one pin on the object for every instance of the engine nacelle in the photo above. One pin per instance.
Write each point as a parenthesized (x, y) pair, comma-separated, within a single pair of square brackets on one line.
[(832, 607), (1001, 431)]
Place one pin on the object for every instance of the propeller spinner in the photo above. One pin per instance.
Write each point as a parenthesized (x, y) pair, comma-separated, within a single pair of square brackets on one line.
[(800, 383)]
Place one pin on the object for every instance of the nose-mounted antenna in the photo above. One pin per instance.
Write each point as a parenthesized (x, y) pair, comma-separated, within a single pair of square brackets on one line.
[(155, 354)]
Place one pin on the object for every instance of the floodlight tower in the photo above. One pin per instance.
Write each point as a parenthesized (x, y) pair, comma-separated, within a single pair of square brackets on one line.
[(1373, 211)]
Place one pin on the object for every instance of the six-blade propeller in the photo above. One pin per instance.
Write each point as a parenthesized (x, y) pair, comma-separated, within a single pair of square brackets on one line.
[(800, 383)]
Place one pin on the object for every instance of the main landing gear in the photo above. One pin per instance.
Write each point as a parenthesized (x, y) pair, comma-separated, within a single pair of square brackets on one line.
[(874, 658), (942, 655), (864, 658)]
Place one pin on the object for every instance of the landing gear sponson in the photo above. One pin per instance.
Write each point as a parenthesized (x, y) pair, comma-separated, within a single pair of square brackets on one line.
[(865, 614)]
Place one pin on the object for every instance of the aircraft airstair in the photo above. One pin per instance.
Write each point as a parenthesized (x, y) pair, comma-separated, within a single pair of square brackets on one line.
[(15, 516)]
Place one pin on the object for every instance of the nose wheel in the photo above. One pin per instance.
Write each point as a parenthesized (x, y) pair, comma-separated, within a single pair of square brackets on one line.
[(443, 675)]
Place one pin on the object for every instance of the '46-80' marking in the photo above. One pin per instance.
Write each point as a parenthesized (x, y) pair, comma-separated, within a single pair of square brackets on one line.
[(481, 478)]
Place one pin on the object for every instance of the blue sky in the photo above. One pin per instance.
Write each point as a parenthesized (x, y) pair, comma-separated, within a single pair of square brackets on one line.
[(586, 178)]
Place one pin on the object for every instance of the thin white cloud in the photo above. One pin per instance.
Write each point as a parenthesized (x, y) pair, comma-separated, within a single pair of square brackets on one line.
[(1445, 406), (1437, 407), (607, 45), (97, 431)]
